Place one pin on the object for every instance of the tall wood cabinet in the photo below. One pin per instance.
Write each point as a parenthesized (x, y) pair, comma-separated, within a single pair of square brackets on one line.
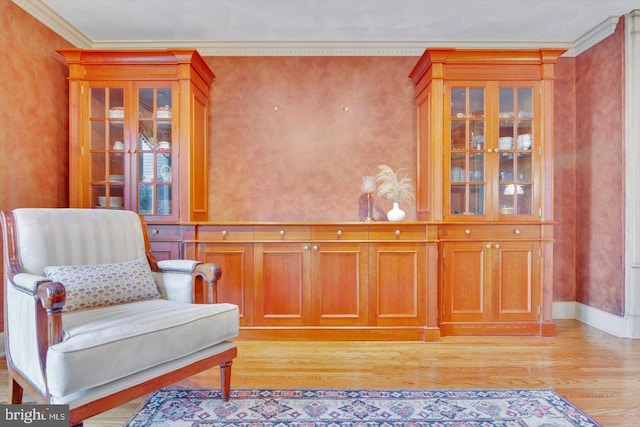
[(485, 176), (138, 131)]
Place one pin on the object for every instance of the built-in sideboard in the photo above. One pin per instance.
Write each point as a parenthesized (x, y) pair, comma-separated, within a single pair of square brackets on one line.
[(374, 281)]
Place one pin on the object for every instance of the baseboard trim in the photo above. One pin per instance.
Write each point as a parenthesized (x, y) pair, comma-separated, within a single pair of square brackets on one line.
[(619, 326)]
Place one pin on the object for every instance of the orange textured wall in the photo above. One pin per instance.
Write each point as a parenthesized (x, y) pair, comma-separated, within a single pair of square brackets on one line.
[(34, 116), (564, 189), (600, 175), (291, 137), (34, 112)]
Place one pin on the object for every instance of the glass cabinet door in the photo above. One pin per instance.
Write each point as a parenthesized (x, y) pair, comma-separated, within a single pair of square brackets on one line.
[(515, 149), (467, 159), (155, 139), (106, 147), (492, 156)]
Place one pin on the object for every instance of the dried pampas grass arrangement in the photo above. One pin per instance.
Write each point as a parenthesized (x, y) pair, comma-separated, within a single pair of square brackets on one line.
[(395, 186)]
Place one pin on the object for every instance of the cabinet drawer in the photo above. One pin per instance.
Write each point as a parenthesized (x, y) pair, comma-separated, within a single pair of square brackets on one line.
[(166, 232), (217, 233), (397, 232), (283, 232), (489, 232), (339, 232)]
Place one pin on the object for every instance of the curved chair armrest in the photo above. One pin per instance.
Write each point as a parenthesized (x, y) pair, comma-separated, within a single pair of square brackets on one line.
[(51, 296), (208, 274), (204, 277), (177, 266), (27, 283)]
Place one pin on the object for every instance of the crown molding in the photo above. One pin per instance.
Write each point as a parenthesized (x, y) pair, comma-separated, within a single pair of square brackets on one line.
[(594, 36), (55, 22), (260, 48)]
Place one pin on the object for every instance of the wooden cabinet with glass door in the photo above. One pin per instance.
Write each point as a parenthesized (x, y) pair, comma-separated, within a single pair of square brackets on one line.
[(485, 131), (138, 123)]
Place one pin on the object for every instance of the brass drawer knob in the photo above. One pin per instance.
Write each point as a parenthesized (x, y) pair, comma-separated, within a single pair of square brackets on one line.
[(467, 231), (397, 232), (339, 233), (516, 231)]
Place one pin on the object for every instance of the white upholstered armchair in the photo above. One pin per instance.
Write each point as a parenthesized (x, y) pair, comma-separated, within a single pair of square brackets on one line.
[(93, 321)]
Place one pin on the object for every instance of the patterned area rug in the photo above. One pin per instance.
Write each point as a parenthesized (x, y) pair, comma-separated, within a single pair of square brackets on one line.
[(358, 408)]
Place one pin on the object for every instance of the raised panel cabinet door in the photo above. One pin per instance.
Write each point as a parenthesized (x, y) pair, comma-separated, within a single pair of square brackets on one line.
[(281, 284), (339, 284), (397, 284), (166, 250), (465, 284), (236, 284), (516, 281)]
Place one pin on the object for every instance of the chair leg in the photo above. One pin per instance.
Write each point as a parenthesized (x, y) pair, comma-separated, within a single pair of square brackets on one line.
[(15, 392), (225, 379)]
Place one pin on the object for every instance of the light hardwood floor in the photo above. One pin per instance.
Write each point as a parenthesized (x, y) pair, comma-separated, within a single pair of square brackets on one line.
[(596, 371)]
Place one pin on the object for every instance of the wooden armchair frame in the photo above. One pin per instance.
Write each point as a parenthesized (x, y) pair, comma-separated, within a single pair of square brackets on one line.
[(49, 299)]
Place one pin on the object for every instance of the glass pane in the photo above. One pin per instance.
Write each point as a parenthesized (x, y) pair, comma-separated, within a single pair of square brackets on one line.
[(116, 133), (476, 128), (145, 167), (164, 200), (476, 167), (506, 167), (116, 167), (164, 169), (164, 104), (458, 102), (116, 103), (525, 199), (98, 137), (164, 134), (458, 167), (524, 167), (525, 102), (145, 199), (476, 102), (98, 167), (145, 143), (476, 199), (458, 199), (98, 103), (458, 135), (525, 134), (507, 106), (505, 138), (96, 192), (507, 198), (145, 103)]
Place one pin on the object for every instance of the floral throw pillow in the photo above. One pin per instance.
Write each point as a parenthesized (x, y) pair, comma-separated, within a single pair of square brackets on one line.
[(97, 285)]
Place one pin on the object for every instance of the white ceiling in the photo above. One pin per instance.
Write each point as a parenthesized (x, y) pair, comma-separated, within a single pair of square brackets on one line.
[(378, 24)]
